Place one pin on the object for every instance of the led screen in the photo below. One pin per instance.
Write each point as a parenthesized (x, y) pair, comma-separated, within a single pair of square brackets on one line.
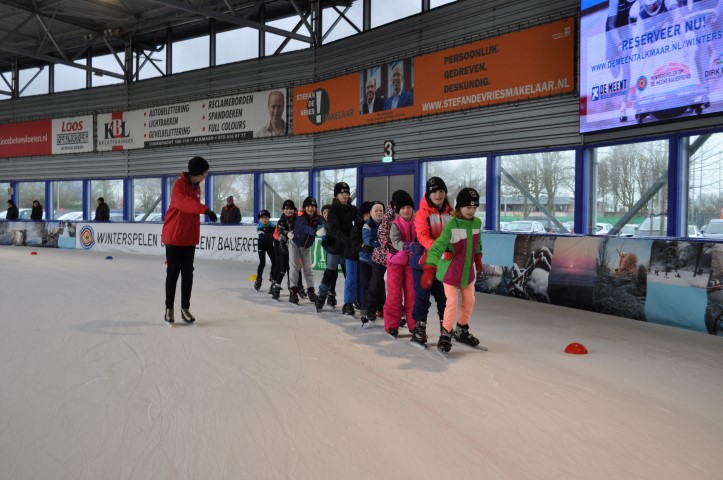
[(644, 61)]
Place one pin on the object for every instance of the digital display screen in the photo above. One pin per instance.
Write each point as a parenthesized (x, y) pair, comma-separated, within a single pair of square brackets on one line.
[(644, 61)]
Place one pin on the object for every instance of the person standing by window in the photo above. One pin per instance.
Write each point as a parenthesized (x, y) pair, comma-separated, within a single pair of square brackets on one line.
[(102, 211), (37, 213)]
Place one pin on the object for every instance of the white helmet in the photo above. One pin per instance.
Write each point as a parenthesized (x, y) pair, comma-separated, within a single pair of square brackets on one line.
[(652, 7)]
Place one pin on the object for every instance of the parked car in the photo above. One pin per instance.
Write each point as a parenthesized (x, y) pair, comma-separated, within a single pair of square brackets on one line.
[(525, 226), (628, 230), (602, 228), (714, 229), (23, 214), (504, 226), (74, 216), (151, 218), (653, 227), (693, 231)]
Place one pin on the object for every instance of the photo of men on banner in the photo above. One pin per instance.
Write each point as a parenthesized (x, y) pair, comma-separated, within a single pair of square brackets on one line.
[(387, 87)]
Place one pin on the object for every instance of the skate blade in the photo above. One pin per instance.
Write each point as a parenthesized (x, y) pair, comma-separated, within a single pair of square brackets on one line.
[(418, 345), (442, 354), (477, 347)]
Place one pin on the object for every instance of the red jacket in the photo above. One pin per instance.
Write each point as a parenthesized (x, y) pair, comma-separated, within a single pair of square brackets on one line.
[(182, 226)]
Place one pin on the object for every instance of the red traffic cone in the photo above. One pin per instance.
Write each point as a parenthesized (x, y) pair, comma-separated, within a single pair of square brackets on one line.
[(576, 349), (33, 252)]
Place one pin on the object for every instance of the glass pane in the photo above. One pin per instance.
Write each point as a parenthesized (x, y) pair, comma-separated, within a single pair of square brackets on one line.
[(38, 86), (459, 174), (273, 41), (5, 82), (152, 64), (705, 193), (69, 78), (67, 199), (190, 54), (107, 62), (342, 29), (236, 45), (146, 196), (112, 193), (328, 178), (280, 186), (535, 182), (241, 188), (27, 192), (626, 174), (384, 11), (439, 3)]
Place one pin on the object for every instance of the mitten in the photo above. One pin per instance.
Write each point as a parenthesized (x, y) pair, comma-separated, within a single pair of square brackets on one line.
[(321, 232), (447, 256), (290, 235), (428, 276), (478, 262), (211, 215)]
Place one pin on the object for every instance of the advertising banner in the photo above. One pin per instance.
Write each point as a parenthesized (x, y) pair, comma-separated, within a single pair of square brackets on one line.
[(531, 63), (25, 139), (642, 62), (72, 135), (224, 119)]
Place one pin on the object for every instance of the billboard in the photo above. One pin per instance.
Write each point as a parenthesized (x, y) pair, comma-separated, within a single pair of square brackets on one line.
[(224, 119), (649, 60), (530, 63), (46, 137)]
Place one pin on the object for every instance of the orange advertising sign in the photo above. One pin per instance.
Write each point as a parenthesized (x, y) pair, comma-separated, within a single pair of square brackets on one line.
[(531, 63)]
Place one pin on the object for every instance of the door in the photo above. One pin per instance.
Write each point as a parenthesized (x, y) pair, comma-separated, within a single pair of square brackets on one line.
[(380, 181)]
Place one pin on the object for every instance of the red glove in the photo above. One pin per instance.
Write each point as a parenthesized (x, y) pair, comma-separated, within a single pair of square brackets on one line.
[(428, 276), (447, 256), (478, 262)]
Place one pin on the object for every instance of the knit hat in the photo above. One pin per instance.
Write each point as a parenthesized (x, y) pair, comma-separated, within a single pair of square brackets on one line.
[(341, 187), (101, 199), (434, 184), (309, 202), (467, 197), (230, 199), (400, 199), (288, 204), (10, 202), (197, 166), (366, 207), (264, 213), (325, 207)]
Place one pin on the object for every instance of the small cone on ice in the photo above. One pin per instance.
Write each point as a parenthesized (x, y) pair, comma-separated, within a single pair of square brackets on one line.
[(33, 252), (252, 277), (576, 349), (109, 257)]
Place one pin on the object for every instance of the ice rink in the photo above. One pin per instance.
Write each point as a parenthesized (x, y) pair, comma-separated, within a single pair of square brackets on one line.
[(95, 385)]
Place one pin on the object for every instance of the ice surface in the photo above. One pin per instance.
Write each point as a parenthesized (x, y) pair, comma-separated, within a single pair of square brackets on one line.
[(94, 385)]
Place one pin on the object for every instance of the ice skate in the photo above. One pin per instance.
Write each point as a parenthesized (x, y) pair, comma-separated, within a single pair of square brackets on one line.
[(461, 334), (187, 316), (347, 309), (331, 300), (319, 303), (257, 284), (312, 295), (444, 345), (392, 332), (419, 335), (366, 317), (294, 295), (302, 293), (168, 316), (272, 287), (276, 293)]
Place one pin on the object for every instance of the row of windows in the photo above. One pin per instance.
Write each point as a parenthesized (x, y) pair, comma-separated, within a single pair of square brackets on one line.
[(231, 46), (627, 186)]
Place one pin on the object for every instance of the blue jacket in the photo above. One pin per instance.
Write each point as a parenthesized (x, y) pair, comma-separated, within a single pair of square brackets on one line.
[(406, 99), (305, 229), (266, 234), (369, 237)]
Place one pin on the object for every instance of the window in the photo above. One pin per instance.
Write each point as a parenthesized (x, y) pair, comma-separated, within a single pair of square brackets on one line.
[(190, 54), (384, 11), (67, 197), (326, 179), (69, 78), (273, 41), (625, 174), (240, 187), (280, 186), (458, 174), (109, 63), (705, 177), (32, 85), (540, 187), (439, 3), (146, 196), (151, 63), (342, 28), (237, 45), (112, 193), (29, 191)]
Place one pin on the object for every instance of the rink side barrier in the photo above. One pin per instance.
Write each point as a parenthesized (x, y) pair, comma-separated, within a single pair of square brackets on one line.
[(674, 282)]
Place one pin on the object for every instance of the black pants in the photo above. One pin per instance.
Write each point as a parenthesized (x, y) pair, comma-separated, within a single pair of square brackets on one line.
[(263, 251), (179, 262), (365, 272), (376, 293)]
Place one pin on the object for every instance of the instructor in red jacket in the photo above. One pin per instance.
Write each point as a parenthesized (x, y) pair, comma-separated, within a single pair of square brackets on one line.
[(181, 234)]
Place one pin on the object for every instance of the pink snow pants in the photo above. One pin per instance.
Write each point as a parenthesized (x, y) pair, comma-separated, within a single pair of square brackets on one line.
[(400, 289), (450, 311)]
